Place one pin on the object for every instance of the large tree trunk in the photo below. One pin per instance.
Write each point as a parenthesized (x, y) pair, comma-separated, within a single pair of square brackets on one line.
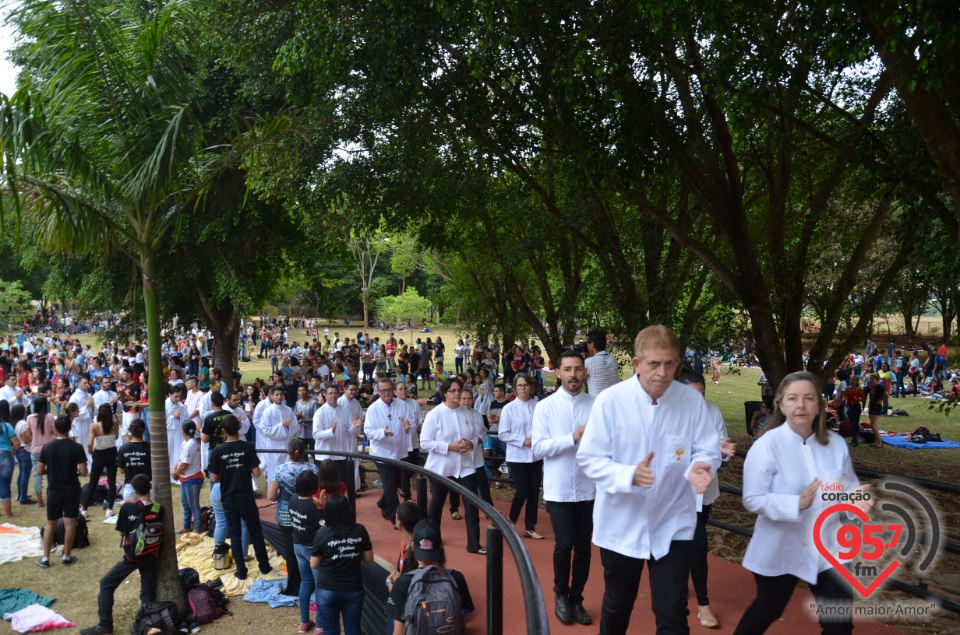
[(168, 576), (224, 323)]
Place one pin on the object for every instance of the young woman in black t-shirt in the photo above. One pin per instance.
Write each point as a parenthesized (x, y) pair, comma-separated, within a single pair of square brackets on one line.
[(339, 548), (876, 396), (305, 520)]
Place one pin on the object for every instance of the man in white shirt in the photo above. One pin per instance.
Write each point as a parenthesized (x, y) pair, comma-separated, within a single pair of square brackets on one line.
[(647, 440), (176, 414), (277, 426), (192, 401), (105, 395), (413, 457), (602, 368), (558, 425), (335, 430), (84, 400), (388, 428), (349, 399), (12, 394)]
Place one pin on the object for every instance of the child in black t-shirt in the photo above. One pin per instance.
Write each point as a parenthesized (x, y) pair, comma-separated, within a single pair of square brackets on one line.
[(127, 521), (305, 520), (339, 548), (133, 458), (428, 550)]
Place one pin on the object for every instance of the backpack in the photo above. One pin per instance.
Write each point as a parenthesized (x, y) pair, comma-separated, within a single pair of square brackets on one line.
[(142, 545), (208, 521), (189, 577), (433, 604), (206, 603), (100, 493), (81, 538), (161, 615)]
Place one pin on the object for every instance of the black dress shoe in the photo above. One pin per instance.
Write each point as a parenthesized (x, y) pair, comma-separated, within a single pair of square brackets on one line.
[(28, 501), (580, 614), (563, 610)]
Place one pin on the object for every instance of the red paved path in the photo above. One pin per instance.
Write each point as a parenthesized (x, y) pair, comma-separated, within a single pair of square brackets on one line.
[(731, 587)]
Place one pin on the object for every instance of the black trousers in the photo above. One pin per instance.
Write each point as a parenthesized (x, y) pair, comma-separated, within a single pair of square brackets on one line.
[(348, 476), (236, 509), (773, 594), (698, 557), (103, 460), (413, 458), (293, 577), (528, 477), (573, 528), (668, 590), (438, 498), (115, 577), (390, 481), (483, 490)]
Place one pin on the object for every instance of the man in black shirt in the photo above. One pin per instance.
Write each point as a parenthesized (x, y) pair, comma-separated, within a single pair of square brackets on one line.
[(61, 461), (231, 464), (133, 458), (127, 521), (212, 431)]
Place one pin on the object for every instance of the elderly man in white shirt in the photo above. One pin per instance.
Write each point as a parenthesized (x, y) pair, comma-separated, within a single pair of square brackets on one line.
[(335, 430), (388, 428), (277, 426), (647, 440), (450, 436), (558, 425), (81, 425)]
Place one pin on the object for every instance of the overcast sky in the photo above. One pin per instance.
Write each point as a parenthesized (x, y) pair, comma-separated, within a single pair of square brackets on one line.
[(8, 74)]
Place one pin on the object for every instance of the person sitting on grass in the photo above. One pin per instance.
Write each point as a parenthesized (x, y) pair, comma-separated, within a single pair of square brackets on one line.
[(428, 551), (127, 522)]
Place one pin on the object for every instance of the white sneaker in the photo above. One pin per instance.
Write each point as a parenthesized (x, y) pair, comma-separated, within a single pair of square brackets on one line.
[(83, 513), (108, 513)]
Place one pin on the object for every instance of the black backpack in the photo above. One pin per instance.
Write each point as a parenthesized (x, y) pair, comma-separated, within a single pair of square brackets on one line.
[(433, 604), (161, 615), (142, 544), (80, 540)]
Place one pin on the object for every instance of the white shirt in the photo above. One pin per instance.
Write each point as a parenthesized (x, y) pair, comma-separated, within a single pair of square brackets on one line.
[(416, 421), (9, 395), (206, 405), (80, 398), (174, 422), (445, 425), (275, 435), (710, 496), (190, 456), (516, 424), (624, 427), (778, 467), (193, 403), (479, 431), (352, 406), (343, 439), (602, 372), (555, 419), (242, 417), (102, 397), (381, 417)]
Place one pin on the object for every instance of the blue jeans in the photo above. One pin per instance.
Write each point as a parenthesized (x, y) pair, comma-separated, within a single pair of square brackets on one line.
[(6, 473), (220, 531), (23, 476), (308, 580), (190, 500), (332, 604), (37, 479)]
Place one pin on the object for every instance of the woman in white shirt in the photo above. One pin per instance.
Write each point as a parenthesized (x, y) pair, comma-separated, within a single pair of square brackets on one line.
[(450, 438), (782, 479), (480, 431), (516, 430)]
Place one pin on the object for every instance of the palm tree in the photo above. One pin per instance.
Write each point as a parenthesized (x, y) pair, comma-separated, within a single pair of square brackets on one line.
[(101, 149)]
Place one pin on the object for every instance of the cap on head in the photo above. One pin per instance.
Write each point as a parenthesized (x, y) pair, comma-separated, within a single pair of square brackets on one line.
[(427, 545)]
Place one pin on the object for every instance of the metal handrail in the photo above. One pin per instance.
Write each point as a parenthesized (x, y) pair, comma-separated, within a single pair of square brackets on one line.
[(536, 610)]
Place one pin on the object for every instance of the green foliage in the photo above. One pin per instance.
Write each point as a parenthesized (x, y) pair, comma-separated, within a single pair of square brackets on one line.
[(408, 305), (15, 305)]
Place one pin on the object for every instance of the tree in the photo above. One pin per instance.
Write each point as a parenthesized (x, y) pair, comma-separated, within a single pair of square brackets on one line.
[(101, 147), (366, 249), (15, 308), (408, 305)]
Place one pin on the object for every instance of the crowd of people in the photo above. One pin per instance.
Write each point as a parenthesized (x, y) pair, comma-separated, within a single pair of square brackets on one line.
[(629, 466)]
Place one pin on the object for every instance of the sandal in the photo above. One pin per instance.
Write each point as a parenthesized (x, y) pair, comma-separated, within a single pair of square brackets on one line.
[(713, 622), (456, 516)]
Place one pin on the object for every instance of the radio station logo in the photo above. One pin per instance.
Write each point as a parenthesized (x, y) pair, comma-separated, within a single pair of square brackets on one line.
[(871, 552)]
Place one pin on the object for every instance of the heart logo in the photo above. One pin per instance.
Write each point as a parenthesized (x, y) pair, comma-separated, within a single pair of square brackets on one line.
[(862, 515)]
